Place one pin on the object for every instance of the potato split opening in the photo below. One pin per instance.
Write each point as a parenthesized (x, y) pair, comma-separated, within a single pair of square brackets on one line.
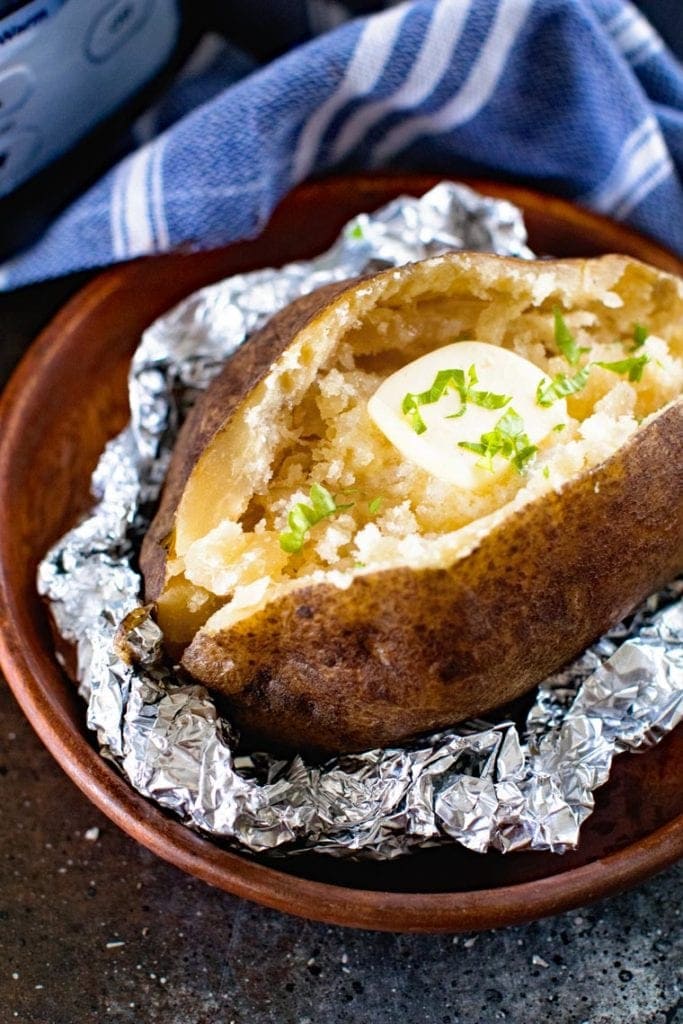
[(307, 423)]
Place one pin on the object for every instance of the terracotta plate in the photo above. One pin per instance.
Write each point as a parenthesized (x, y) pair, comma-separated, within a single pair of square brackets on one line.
[(68, 397)]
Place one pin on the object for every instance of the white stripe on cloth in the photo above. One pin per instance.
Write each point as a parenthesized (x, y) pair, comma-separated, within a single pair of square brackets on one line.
[(136, 211), (657, 174), (365, 69), (634, 36), (650, 49), (475, 92), (436, 52), (118, 240), (157, 195), (643, 150), (619, 20)]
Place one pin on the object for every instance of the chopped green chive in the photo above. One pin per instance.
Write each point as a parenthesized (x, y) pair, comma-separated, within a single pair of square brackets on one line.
[(633, 366), (561, 385), (375, 505), (565, 340), (507, 439), (302, 517), (454, 380), (640, 336)]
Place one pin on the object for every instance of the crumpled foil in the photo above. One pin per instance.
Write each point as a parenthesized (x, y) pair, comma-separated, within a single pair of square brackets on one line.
[(485, 784)]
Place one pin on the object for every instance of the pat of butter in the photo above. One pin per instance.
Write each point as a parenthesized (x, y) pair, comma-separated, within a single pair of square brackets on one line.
[(437, 449)]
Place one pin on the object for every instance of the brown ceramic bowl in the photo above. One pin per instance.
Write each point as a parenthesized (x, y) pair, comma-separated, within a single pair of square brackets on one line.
[(68, 396)]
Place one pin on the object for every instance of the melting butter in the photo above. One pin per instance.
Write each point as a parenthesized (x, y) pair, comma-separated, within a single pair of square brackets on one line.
[(437, 450)]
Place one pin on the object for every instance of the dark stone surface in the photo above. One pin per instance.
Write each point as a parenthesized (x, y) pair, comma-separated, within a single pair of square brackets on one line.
[(93, 928)]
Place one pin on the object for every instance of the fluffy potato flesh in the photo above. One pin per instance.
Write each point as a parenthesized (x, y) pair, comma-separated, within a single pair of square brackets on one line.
[(308, 422)]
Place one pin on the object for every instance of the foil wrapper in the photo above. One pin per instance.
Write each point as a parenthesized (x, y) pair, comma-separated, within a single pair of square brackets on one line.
[(492, 784)]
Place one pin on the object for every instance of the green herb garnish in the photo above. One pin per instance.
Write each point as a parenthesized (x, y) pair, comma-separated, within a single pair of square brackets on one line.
[(633, 366), (640, 336), (546, 472), (356, 231), (561, 385), (507, 439), (455, 380), (565, 340), (375, 505), (302, 517), (559, 426)]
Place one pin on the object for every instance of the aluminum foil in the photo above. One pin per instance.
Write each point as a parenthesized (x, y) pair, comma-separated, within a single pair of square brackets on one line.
[(486, 784)]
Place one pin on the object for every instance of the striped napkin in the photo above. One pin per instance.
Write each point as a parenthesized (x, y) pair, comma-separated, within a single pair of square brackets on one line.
[(577, 97)]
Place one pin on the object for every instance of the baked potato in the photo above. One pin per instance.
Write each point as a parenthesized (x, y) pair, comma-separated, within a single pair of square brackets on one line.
[(343, 587)]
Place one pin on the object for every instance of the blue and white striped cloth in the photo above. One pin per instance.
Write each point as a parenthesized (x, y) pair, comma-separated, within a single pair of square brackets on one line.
[(577, 97)]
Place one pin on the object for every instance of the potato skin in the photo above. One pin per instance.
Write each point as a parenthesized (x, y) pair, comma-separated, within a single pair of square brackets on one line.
[(401, 651)]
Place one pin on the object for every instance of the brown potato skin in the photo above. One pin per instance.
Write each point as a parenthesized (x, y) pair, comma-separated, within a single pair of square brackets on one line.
[(401, 651)]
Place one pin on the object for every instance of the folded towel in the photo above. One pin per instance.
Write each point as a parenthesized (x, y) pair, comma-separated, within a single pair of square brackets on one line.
[(576, 97)]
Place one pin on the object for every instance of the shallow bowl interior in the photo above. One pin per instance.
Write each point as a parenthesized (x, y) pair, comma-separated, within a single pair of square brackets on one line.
[(68, 396)]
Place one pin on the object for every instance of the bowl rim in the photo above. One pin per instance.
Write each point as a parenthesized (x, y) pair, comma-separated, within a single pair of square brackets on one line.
[(32, 675)]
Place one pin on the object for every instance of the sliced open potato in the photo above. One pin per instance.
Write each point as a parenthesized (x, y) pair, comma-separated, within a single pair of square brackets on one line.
[(322, 561)]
